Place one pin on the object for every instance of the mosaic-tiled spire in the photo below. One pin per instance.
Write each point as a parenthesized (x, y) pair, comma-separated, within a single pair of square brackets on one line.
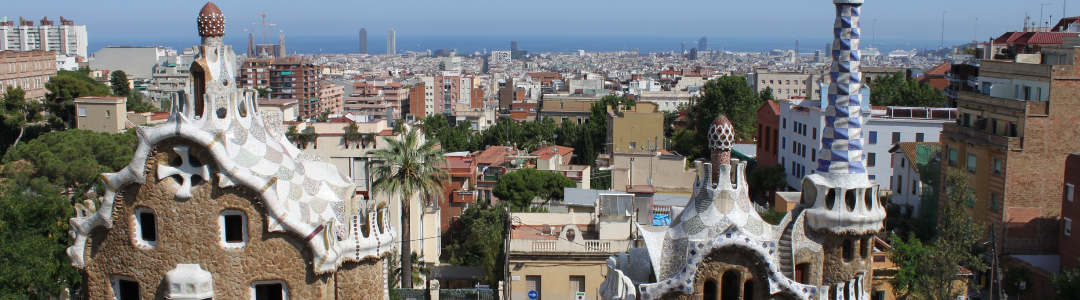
[(842, 147)]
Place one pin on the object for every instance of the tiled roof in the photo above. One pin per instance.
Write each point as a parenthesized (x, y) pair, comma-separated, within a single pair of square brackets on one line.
[(939, 69), (1061, 25), (1034, 38)]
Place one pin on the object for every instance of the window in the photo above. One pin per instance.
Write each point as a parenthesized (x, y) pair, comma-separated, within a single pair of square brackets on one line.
[(895, 137), (783, 143), (848, 251), (108, 113), (972, 163), (813, 155), (785, 123), (873, 137), (953, 156), (995, 202), (871, 159), (125, 288), (1068, 227), (900, 184), (914, 187), (1038, 94), (903, 161), (998, 166), (145, 228), (270, 290), (919, 136), (971, 197), (633, 145), (233, 229), (1069, 188), (82, 111), (815, 133)]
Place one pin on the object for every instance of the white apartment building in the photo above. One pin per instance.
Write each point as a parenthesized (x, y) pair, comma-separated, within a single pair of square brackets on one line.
[(787, 85), (668, 101), (66, 39), (801, 122), (137, 62)]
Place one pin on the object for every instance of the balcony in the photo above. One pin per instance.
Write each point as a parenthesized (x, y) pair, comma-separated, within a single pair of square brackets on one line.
[(1013, 68), (463, 196), (978, 137), (1026, 107), (489, 178), (552, 246)]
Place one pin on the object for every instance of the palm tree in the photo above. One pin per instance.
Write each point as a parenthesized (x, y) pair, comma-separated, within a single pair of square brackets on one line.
[(406, 168)]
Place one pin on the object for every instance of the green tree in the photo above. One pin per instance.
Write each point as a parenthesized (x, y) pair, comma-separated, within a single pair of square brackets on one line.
[(63, 88), (136, 103), (522, 186), (406, 168), (767, 179), (900, 89), (730, 96), (477, 240), (767, 94), (73, 159), (1067, 284), (601, 180), (18, 112), (263, 92), (119, 84), (929, 270), (33, 239)]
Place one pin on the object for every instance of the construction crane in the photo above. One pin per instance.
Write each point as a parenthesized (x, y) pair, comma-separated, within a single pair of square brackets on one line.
[(264, 24)]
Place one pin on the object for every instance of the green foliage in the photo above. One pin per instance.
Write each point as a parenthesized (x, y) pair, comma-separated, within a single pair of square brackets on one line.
[(301, 138), (407, 168), (33, 239), (684, 142), (19, 112), (263, 92), (453, 139), (353, 136), (522, 186), (767, 179), (900, 89), (1067, 284), (119, 84), (767, 94), (601, 180), (773, 217), (730, 96), (73, 159), (62, 91), (477, 240), (929, 270), (136, 103)]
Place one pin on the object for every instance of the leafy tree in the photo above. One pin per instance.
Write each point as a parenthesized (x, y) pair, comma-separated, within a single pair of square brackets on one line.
[(1067, 284), (901, 89), (63, 88), (406, 168), (301, 138), (929, 270), (522, 186), (136, 103), (601, 180), (18, 112), (477, 240), (684, 142), (767, 179), (33, 239), (1012, 276), (73, 159), (119, 84), (767, 94), (730, 96), (263, 92)]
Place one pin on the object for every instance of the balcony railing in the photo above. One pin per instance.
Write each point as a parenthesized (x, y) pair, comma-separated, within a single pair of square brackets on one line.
[(564, 246), (982, 138)]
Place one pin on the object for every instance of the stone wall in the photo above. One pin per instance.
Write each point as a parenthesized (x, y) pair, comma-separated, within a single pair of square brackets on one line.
[(746, 266), (188, 234), (837, 270)]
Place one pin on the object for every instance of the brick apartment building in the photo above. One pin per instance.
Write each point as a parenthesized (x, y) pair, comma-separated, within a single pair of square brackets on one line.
[(1069, 240), (255, 73), (293, 78), (1010, 141), (29, 70), (768, 134)]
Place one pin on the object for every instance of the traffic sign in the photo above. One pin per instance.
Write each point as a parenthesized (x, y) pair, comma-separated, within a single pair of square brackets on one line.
[(533, 295), (580, 296)]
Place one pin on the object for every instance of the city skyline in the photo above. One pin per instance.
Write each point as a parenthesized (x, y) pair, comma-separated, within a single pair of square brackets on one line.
[(896, 20)]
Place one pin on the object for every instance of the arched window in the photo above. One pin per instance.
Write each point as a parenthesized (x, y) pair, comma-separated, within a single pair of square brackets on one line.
[(730, 288), (708, 292)]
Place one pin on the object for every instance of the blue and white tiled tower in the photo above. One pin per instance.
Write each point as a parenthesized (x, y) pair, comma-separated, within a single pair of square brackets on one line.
[(842, 147)]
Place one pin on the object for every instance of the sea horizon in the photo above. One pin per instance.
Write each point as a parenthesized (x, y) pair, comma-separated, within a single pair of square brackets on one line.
[(469, 44)]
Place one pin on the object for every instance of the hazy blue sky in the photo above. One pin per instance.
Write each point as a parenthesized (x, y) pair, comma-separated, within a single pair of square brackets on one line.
[(896, 19)]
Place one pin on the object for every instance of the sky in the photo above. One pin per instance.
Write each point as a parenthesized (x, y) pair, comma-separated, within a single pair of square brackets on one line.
[(895, 19)]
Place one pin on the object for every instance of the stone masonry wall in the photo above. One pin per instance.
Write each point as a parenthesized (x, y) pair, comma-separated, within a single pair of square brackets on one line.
[(714, 266), (836, 269), (188, 233)]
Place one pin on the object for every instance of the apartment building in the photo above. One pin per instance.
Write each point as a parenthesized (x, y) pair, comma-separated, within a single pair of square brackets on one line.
[(669, 101), (768, 134), (110, 115), (29, 70), (640, 128), (801, 122), (788, 85), (1011, 140), (137, 62), (67, 39), (293, 78), (378, 98), (563, 255), (916, 177), (562, 107), (255, 73), (170, 77)]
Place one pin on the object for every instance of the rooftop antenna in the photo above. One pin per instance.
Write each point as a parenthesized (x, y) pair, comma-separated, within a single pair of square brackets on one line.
[(264, 24), (1041, 14)]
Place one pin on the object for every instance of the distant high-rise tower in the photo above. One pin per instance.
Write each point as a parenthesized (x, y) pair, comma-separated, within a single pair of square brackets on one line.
[(513, 46), (391, 42), (703, 44), (251, 45), (363, 41), (683, 49)]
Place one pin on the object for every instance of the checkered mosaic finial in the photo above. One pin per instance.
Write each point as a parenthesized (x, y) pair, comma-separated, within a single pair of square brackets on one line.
[(842, 147)]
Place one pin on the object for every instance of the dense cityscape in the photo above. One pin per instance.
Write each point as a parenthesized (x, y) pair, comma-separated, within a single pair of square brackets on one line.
[(249, 171)]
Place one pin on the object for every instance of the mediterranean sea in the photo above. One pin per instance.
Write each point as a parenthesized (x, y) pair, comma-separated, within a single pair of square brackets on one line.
[(469, 44)]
